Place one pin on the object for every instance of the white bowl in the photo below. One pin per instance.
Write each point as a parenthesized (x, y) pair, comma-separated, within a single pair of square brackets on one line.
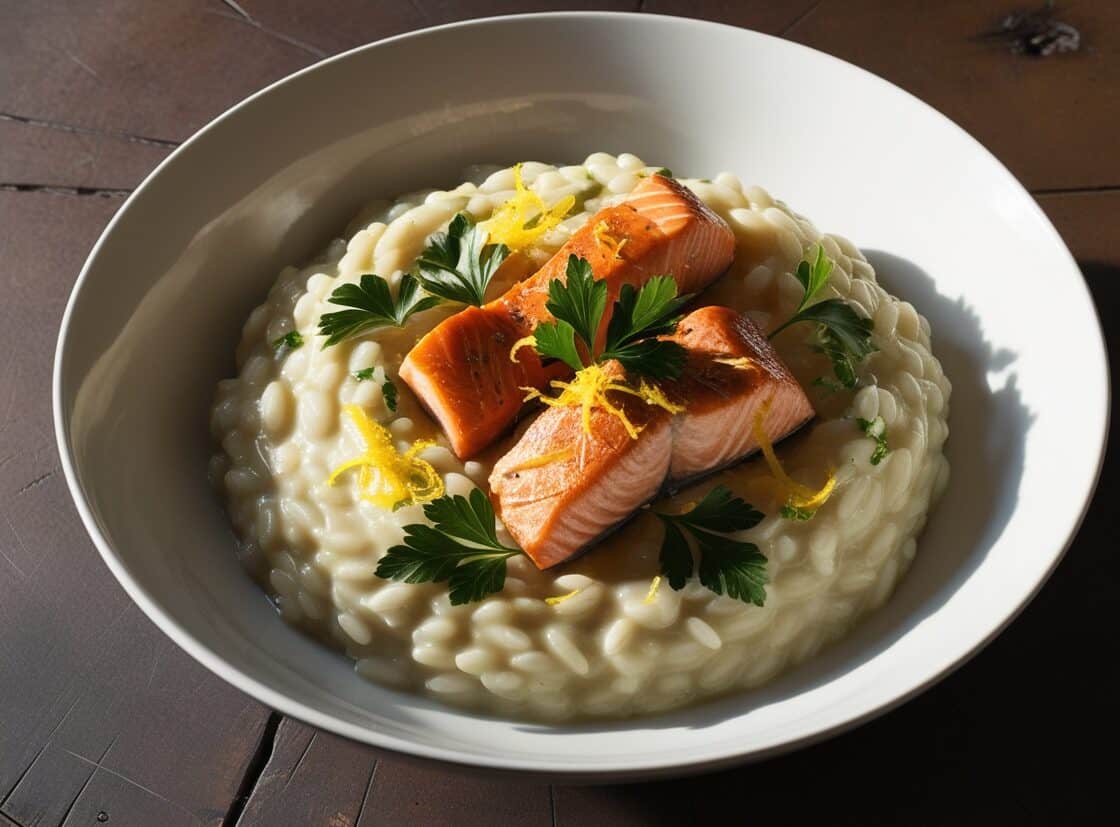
[(153, 320)]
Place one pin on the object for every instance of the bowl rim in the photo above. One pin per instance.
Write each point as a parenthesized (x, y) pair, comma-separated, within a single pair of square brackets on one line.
[(641, 767)]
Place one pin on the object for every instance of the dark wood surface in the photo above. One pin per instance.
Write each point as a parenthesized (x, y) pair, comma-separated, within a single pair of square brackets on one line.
[(104, 721)]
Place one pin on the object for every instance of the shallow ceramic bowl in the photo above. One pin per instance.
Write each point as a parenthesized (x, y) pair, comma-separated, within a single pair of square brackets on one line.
[(156, 313)]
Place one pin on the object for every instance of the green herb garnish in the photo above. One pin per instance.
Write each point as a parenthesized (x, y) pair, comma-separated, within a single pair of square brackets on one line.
[(364, 374), (841, 334), (372, 306), (876, 429), (638, 317), (461, 548), (389, 391), (728, 566), (792, 512), (289, 341), (458, 265), (664, 172)]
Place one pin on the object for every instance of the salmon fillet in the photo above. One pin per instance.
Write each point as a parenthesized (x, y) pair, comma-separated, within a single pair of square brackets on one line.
[(731, 372), (560, 489), (587, 484), (461, 371)]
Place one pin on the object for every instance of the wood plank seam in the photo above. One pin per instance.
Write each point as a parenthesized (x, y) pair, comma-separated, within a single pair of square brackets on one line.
[(801, 18), (254, 769), (85, 130), (102, 192)]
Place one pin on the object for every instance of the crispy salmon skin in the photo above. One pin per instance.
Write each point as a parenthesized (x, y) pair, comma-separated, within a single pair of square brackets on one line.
[(461, 371)]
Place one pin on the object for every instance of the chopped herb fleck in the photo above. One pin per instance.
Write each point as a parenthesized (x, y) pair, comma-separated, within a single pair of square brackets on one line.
[(389, 391), (876, 429), (287, 342)]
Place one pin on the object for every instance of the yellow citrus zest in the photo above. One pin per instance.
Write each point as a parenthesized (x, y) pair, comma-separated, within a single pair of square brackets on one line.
[(738, 362), (524, 341), (794, 494), (523, 219), (554, 601), (613, 244), (588, 390), (544, 459), (654, 586), (388, 478)]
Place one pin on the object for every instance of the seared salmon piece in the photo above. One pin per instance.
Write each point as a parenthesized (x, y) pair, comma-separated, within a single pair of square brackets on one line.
[(560, 489), (461, 370), (731, 372)]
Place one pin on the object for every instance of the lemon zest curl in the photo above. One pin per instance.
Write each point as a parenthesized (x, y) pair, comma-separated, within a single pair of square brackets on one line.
[(588, 390), (793, 493), (388, 478), (524, 341), (522, 220), (560, 598)]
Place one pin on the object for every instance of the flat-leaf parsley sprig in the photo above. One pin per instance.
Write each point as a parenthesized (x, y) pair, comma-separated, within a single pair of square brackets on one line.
[(371, 306), (458, 265), (841, 334), (639, 316), (727, 566), (461, 548)]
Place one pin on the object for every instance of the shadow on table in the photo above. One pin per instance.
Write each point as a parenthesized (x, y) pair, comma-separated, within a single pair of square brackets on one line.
[(988, 429)]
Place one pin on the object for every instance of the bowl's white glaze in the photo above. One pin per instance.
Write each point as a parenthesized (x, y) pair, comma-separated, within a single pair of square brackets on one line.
[(154, 317)]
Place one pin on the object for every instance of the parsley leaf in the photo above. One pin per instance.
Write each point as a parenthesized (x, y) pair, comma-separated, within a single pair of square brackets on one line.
[(389, 391), (580, 300), (638, 317), (462, 548), (813, 276), (727, 566), (289, 341), (458, 265), (557, 340), (372, 306), (841, 334), (876, 429), (364, 374)]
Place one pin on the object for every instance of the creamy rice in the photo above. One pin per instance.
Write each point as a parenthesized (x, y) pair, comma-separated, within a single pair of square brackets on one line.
[(607, 651)]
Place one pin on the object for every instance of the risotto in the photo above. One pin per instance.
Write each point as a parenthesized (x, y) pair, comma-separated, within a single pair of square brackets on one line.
[(615, 631)]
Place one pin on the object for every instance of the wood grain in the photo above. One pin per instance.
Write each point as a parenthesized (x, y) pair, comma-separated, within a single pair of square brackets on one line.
[(101, 712), (1050, 120), (43, 155), (769, 16), (311, 779), (154, 70), (409, 793)]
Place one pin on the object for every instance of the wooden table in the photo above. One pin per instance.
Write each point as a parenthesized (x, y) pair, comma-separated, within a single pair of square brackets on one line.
[(104, 721)]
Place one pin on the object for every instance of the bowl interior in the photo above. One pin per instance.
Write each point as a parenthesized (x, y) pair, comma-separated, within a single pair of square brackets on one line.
[(156, 315)]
